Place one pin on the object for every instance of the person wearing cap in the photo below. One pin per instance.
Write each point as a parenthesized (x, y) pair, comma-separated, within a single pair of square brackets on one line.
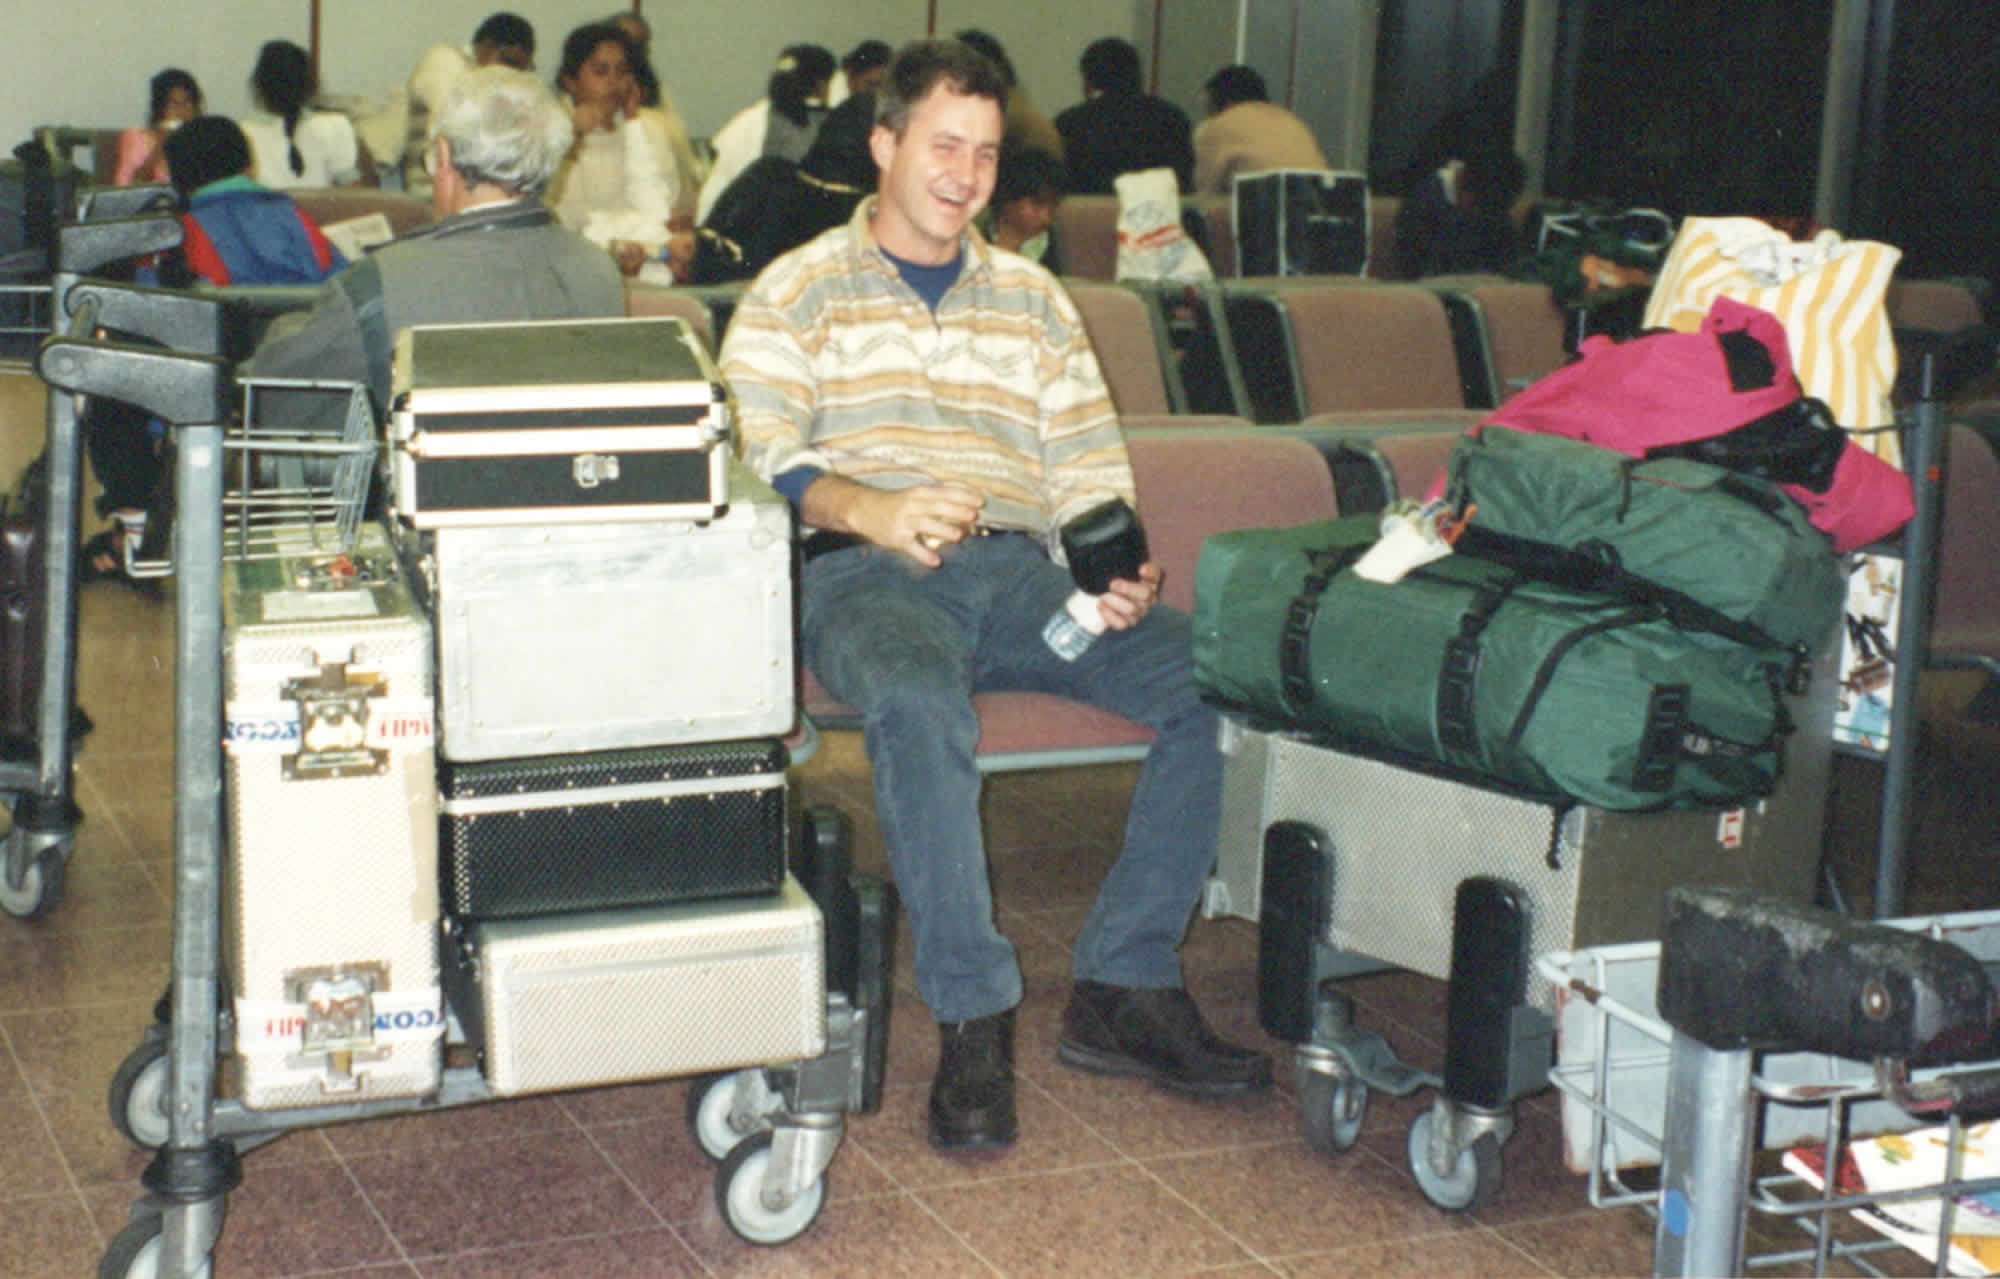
[(782, 123)]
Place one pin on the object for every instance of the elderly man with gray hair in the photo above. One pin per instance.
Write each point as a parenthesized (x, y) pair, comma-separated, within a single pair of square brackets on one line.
[(496, 252)]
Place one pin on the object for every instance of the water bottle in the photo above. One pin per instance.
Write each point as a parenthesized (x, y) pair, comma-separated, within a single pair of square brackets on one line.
[(1104, 543)]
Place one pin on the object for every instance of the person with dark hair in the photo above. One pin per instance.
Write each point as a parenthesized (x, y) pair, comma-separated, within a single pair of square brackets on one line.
[(782, 123), (294, 145), (934, 411), (174, 99), (1246, 132), (235, 230), (662, 117), (861, 69), (774, 206), (1119, 127), (1027, 127), (619, 183), (1023, 210), (1460, 219), (502, 39)]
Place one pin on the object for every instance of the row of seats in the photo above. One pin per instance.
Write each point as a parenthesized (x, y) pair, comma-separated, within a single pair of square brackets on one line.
[(1086, 226), (1326, 349)]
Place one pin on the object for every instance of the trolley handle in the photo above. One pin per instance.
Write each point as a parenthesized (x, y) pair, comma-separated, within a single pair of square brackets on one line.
[(1739, 971), (1972, 1094)]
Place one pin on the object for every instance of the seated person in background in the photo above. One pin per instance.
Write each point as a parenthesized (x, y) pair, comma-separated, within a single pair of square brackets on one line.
[(504, 38), (861, 69), (1022, 215), (657, 110), (1027, 127), (175, 99), (1460, 219), (775, 205), (293, 145), (934, 411), (1119, 127), (782, 123), (238, 231), (618, 184), (496, 252), (1246, 132)]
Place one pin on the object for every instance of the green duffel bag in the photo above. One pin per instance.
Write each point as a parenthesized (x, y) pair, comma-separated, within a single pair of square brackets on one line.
[(1720, 539), (1495, 676)]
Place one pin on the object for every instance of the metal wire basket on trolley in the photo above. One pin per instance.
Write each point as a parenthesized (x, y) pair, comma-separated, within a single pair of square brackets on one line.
[(1628, 1085)]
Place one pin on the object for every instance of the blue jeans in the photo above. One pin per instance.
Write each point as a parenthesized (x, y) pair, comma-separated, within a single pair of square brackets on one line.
[(907, 648)]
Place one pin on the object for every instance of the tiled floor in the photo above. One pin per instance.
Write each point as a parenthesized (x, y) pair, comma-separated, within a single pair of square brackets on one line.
[(1109, 1178)]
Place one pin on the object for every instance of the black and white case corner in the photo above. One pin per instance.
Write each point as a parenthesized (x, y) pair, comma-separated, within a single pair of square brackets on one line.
[(557, 422)]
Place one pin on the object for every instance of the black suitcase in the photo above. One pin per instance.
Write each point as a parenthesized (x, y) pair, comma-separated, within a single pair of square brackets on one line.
[(647, 827), (23, 606), (1301, 222)]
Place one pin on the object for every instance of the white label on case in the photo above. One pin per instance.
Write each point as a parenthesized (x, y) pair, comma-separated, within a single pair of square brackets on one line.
[(394, 724), (401, 1016)]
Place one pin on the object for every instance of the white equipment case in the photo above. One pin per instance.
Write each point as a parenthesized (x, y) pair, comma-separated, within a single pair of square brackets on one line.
[(598, 997), (587, 637), (331, 909), (557, 421)]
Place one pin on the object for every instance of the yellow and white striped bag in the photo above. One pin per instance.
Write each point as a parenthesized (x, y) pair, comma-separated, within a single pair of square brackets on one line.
[(1829, 294)]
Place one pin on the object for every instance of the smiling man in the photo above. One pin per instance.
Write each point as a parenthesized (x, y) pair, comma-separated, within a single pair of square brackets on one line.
[(932, 407)]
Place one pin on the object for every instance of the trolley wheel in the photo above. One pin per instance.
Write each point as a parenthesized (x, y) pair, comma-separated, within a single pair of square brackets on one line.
[(134, 1252), (739, 1192), (1475, 1174), (1333, 1109), (709, 1101), (41, 885), (139, 1094)]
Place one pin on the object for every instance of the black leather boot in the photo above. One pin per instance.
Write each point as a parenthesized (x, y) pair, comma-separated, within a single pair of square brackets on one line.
[(972, 1098), (1156, 1035)]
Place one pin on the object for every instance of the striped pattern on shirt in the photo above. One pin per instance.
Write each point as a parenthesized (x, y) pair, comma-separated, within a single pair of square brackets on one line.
[(836, 363)]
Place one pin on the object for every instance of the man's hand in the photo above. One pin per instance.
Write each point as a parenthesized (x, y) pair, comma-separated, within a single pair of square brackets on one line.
[(1128, 602), (915, 521)]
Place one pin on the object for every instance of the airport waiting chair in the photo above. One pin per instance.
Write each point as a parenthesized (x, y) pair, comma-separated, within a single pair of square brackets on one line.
[(1086, 234), (1321, 345), (658, 299), (1131, 345)]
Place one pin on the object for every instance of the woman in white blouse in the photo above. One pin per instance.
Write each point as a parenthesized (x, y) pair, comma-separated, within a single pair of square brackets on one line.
[(293, 146), (618, 184)]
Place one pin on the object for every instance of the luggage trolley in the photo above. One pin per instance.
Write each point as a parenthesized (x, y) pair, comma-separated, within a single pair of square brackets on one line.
[(245, 493), (37, 787), (1850, 1036), (1353, 864)]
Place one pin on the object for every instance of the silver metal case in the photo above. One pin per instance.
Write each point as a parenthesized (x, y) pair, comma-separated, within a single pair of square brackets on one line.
[(1401, 841), (587, 637), (605, 996), (557, 421), (331, 908)]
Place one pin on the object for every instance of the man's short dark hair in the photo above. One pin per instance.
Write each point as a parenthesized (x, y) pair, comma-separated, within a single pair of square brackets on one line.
[(206, 149), (1234, 84), (506, 29), (1111, 65), (921, 66), (1027, 173)]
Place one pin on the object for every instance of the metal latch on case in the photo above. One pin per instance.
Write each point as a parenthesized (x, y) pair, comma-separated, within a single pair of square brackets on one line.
[(333, 724), (339, 1017), (592, 469)]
